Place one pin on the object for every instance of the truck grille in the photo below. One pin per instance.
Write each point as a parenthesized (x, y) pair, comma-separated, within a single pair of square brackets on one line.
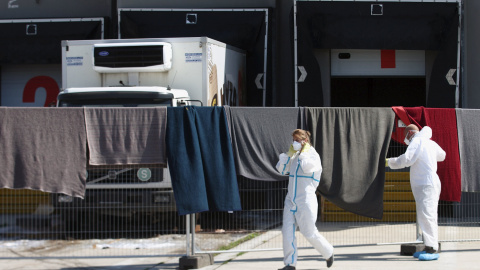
[(124, 174)]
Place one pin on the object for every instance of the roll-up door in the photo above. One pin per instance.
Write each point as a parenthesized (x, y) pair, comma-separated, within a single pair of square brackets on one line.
[(377, 78), (377, 63)]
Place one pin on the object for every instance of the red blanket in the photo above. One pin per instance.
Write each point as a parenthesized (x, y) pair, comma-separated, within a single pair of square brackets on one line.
[(401, 114), (444, 127)]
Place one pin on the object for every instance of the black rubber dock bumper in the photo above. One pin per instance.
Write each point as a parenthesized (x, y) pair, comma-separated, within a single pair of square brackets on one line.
[(195, 262)]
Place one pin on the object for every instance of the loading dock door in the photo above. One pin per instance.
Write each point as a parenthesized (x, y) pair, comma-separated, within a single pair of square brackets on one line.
[(377, 78), (30, 57), (427, 26)]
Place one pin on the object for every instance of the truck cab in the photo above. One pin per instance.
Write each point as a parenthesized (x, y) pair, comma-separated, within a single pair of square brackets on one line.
[(136, 96), (121, 191), (95, 75)]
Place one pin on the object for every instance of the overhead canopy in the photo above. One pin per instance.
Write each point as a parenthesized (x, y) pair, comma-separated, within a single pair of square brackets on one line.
[(403, 26), (40, 42), (244, 29)]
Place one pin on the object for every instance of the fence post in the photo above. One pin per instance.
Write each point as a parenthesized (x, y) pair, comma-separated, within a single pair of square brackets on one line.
[(192, 228), (187, 234)]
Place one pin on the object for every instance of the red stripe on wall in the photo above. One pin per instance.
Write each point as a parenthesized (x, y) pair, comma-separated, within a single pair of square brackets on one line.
[(388, 58)]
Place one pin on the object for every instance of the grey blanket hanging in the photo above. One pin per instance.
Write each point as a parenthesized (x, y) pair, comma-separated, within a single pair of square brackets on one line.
[(468, 126), (259, 135), (43, 149), (352, 143)]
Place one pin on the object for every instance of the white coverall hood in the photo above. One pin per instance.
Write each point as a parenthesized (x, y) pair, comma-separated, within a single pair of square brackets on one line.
[(426, 132)]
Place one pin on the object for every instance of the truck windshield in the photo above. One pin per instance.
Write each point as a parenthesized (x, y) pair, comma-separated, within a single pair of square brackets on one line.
[(115, 103)]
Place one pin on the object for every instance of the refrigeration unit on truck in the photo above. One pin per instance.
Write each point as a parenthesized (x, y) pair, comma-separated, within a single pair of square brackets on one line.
[(142, 73)]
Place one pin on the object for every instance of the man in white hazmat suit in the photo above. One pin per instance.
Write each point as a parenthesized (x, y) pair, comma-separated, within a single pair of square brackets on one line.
[(421, 156), (303, 165)]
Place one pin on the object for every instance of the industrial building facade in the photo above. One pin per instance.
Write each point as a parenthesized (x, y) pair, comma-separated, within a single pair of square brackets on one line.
[(299, 53)]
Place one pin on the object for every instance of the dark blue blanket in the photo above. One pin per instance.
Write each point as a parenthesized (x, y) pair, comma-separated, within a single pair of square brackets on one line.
[(200, 159)]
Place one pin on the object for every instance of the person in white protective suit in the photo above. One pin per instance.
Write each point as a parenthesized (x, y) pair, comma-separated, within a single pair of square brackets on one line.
[(304, 167), (421, 156)]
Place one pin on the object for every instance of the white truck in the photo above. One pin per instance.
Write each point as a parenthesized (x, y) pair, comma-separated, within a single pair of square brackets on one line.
[(134, 73)]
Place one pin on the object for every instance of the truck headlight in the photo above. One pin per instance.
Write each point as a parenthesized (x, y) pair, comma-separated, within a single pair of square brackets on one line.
[(65, 199)]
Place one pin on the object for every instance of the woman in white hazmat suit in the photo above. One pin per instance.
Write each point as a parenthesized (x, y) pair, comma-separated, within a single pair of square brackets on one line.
[(303, 165), (421, 156)]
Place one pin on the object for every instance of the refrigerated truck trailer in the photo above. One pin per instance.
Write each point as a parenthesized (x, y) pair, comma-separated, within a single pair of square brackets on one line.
[(212, 72)]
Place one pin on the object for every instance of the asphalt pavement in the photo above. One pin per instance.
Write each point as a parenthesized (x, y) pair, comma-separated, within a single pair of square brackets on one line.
[(453, 256)]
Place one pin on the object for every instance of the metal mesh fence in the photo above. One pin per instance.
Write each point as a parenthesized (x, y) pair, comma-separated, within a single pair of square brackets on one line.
[(263, 208), (123, 215), (126, 211)]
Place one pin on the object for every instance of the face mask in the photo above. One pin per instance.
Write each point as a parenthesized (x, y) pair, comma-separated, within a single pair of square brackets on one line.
[(297, 146), (406, 141)]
